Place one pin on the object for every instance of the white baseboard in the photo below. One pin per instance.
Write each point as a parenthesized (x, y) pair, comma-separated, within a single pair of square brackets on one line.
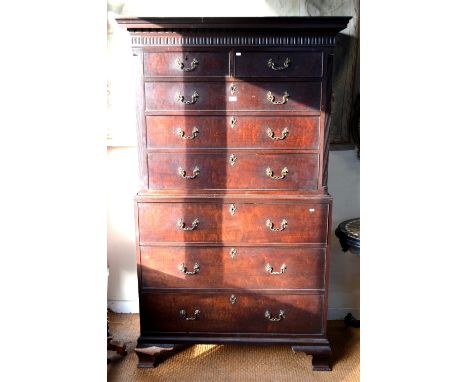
[(123, 306), (131, 306)]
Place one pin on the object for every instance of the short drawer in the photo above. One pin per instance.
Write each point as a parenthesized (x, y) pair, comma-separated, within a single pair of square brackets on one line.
[(183, 96), (232, 171), (233, 96), (186, 64), (231, 313), (278, 64), (232, 223), (192, 132), (232, 267)]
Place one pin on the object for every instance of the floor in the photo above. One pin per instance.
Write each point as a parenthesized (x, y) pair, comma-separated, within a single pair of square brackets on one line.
[(232, 363)]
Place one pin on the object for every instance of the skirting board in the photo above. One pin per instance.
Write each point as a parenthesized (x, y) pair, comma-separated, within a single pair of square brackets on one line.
[(131, 306), (123, 306)]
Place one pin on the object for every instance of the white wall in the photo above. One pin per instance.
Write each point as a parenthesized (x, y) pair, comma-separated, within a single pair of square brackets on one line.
[(343, 185), (122, 157), (122, 177)]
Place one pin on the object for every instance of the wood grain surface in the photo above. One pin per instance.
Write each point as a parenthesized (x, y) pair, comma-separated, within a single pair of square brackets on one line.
[(234, 131), (232, 267), (161, 312), (232, 170), (306, 223)]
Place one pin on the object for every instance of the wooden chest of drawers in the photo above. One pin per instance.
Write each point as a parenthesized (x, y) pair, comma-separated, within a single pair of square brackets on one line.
[(233, 214)]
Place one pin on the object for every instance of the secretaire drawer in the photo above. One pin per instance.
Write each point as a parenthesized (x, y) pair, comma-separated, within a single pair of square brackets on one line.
[(231, 313), (186, 64), (232, 223), (278, 64), (234, 131), (233, 96), (232, 267), (232, 170)]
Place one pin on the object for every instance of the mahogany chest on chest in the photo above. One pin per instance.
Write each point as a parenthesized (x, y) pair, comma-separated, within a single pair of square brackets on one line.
[(233, 214)]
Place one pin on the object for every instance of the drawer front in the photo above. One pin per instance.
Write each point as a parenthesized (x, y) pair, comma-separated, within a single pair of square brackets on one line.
[(194, 132), (250, 313), (258, 96), (278, 64), (185, 96), (186, 64), (232, 267), (236, 170), (232, 223), (277, 96)]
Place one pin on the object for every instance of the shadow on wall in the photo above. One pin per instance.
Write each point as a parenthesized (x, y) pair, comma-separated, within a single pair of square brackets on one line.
[(346, 68)]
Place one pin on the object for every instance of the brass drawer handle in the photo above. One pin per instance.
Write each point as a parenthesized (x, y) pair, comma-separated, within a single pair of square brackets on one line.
[(269, 173), (196, 315), (183, 269), (281, 315), (181, 65), (273, 66), (271, 98), (182, 225), (181, 98), (282, 227), (181, 133), (269, 269), (284, 134), (183, 174)]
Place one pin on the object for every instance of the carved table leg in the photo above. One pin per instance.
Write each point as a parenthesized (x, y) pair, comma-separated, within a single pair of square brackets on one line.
[(151, 356), (118, 347), (349, 320), (320, 356)]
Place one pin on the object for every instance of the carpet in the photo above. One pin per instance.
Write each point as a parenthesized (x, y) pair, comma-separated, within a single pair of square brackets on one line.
[(234, 363)]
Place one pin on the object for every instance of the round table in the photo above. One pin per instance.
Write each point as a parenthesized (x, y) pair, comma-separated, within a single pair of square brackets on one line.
[(348, 232)]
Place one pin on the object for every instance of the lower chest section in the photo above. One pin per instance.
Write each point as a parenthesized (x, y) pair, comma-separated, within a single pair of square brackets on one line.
[(232, 267)]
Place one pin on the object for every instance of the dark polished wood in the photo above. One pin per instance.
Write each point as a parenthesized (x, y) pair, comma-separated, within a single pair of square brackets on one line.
[(116, 346), (348, 232), (321, 356), (223, 313), (206, 64), (235, 196), (158, 222), (233, 214), (149, 357), (233, 170), (278, 64), (244, 132), (331, 24), (163, 96), (232, 267)]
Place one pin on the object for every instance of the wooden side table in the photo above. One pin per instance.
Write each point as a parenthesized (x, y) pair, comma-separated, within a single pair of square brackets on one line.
[(348, 232)]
